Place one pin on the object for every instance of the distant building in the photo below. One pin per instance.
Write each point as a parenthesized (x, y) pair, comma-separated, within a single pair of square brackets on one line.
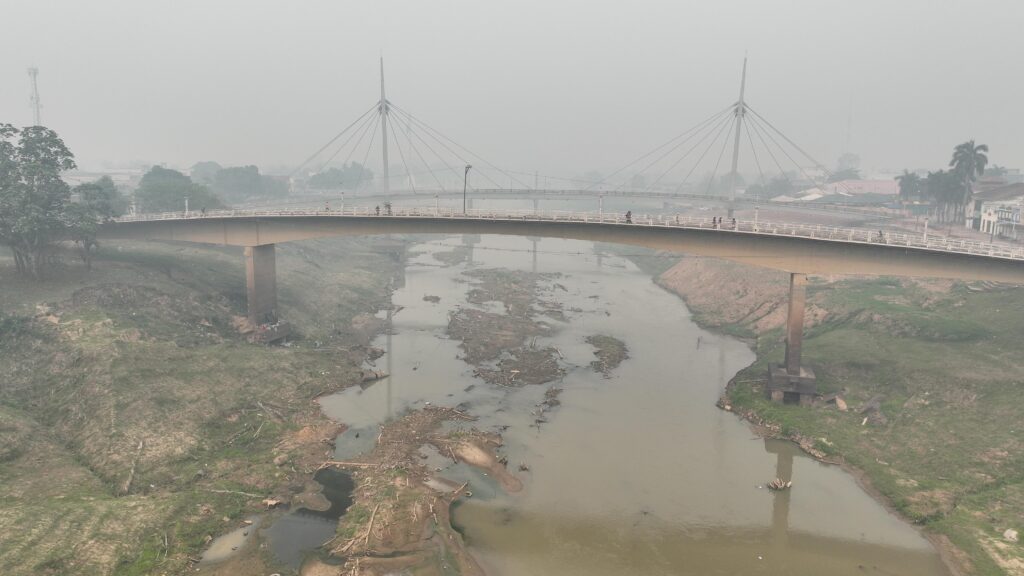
[(848, 161), (985, 207), (125, 180), (849, 188)]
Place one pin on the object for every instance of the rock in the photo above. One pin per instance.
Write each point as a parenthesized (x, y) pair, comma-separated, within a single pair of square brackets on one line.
[(1010, 535), (281, 460)]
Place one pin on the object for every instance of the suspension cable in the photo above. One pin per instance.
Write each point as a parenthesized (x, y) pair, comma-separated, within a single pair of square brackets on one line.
[(697, 126), (362, 128), (461, 147), (716, 130), (725, 141), (332, 141), (427, 130), (401, 154), (720, 116)]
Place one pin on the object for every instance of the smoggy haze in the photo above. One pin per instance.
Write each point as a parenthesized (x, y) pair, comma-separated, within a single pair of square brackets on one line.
[(560, 87)]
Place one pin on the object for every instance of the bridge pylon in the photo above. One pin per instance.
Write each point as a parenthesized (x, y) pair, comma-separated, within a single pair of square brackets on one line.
[(790, 382)]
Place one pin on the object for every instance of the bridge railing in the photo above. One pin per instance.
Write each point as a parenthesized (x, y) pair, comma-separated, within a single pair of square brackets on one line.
[(768, 228)]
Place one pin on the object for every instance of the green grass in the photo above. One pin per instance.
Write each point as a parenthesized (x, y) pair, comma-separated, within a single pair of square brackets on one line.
[(145, 349), (951, 455)]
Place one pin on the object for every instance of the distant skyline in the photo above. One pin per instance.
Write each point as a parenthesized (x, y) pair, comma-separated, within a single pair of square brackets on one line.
[(562, 88)]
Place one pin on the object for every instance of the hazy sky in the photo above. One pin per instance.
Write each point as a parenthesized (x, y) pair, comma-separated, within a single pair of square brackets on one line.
[(556, 86)]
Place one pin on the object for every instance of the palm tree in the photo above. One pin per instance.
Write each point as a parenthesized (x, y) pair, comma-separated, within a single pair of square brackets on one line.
[(910, 185), (968, 163)]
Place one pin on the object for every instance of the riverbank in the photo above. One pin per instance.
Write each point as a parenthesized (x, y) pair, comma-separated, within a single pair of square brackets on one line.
[(137, 423), (929, 372)]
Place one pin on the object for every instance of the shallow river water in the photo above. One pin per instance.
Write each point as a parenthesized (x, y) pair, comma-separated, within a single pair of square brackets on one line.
[(636, 473)]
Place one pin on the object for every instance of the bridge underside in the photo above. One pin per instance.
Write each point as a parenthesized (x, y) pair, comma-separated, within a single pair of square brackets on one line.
[(799, 256)]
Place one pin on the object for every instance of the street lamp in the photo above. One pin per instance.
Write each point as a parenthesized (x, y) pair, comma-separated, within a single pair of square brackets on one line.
[(465, 178)]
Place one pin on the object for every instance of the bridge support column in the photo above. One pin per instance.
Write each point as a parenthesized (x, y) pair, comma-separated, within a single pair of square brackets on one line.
[(261, 284), (791, 382)]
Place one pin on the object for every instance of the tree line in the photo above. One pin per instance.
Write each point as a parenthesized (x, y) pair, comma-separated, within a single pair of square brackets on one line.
[(948, 192), (38, 208)]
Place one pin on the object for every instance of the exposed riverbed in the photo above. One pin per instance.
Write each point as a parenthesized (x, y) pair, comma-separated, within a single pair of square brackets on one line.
[(633, 469)]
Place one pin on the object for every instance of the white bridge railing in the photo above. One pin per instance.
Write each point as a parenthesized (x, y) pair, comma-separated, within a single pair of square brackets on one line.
[(922, 241)]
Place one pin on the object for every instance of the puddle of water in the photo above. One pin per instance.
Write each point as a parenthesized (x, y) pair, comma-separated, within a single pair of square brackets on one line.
[(300, 531), (636, 473), (227, 545)]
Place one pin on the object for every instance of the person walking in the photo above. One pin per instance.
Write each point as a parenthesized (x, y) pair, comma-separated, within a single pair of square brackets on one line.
[(629, 216)]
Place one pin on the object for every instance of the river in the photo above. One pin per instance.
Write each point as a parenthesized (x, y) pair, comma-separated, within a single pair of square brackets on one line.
[(637, 472)]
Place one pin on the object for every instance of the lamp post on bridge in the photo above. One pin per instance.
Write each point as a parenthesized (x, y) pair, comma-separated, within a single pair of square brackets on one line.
[(465, 179)]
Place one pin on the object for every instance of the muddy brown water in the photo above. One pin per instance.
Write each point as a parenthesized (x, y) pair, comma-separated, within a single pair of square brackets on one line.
[(636, 473)]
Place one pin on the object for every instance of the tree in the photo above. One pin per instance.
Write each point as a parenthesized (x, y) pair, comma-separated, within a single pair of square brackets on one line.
[(910, 186), (943, 190), (777, 186), (204, 172), (33, 197), (98, 202), (244, 182), (103, 197), (238, 183), (968, 163), (844, 174), (348, 177), (165, 190)]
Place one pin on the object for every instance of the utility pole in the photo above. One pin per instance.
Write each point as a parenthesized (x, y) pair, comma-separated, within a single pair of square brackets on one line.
[(384, 109), (741, 109), (34, 99)]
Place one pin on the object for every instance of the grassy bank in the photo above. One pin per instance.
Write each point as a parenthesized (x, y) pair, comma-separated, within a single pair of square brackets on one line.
[(944, 360), (135, 421)]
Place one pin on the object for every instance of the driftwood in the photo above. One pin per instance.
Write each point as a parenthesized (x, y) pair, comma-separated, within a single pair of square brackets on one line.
[(270, 411), (233, 492), (254, 436), (369, 528), (355, 464)]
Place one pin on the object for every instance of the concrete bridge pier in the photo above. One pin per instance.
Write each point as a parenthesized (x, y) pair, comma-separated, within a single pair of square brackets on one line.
[(790, 382), (261, 284)]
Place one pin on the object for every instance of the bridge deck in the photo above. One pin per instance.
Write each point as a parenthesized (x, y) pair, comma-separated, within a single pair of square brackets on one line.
[(927, 242)]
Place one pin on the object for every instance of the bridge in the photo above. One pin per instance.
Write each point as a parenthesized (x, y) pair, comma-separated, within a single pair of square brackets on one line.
[(799, 249), (314, 197)]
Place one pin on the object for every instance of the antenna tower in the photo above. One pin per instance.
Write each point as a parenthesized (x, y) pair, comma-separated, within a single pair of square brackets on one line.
[(34, 100)]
